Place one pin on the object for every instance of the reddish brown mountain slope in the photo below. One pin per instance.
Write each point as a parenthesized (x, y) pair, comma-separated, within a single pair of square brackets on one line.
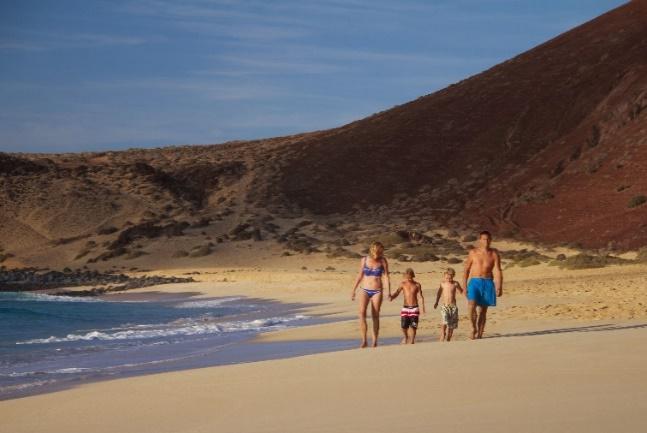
[(538, 144)]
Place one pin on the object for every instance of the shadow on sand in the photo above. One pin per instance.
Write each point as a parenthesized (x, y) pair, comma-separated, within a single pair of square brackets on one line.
[(590, 328)]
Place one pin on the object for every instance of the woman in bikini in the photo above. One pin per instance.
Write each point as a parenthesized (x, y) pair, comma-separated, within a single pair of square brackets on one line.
[(373, 269)]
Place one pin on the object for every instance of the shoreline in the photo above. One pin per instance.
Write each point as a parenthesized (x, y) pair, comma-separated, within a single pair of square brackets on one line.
[(531, 387), (244, 348)]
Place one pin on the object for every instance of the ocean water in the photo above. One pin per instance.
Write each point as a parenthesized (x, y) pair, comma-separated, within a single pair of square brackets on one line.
[(51, 342)]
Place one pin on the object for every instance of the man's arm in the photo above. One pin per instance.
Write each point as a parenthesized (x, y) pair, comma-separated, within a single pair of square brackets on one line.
[(468, 266), (498, 274), (424, 309)]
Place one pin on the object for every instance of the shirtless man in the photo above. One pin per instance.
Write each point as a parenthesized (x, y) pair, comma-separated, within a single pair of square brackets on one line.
[(410, 311), (483, 269)]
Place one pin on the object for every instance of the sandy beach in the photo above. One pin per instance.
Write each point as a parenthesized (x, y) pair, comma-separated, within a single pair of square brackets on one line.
[(565, 353), (572, 381)]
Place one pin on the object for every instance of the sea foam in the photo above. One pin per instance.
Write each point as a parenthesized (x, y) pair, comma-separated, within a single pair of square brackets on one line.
[(188, 327)]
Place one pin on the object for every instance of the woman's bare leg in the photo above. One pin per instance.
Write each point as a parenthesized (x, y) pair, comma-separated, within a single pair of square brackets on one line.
[(376, 304), (363, 301)]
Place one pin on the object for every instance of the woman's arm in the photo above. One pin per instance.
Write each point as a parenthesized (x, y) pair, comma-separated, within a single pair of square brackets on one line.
[(385, 263), (360, 275)]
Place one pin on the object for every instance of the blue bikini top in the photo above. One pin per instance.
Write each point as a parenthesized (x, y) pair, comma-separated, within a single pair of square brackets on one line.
[(373, 272)]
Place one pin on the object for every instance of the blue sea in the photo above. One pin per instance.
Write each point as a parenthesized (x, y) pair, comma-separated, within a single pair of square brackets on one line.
[(52, 342)]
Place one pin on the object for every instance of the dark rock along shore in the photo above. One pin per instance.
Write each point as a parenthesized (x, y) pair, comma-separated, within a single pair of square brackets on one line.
[(27, 279)]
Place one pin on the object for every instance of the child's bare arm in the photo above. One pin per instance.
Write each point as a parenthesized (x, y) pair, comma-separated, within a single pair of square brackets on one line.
[(422, 297), (395, 295), (460, 288), (440, 291)]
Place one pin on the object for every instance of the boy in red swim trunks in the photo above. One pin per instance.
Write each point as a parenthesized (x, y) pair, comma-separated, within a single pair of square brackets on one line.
[(410, 311)]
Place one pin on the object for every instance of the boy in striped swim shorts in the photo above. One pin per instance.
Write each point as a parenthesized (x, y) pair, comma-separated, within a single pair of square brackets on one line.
[(449, 310), (410, 311)]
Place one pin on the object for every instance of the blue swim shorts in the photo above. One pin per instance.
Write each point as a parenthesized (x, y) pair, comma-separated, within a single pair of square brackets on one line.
[(482, 291)]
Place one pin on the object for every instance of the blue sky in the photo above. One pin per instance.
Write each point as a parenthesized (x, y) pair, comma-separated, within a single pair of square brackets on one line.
[(96, 75)]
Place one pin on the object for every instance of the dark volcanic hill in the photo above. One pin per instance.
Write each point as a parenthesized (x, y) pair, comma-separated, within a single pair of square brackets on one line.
[(539, 144), (548, 146)]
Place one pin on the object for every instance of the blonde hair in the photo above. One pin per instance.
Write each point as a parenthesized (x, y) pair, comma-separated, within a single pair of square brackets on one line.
[(376, 250), (451, 272), (410, 273)]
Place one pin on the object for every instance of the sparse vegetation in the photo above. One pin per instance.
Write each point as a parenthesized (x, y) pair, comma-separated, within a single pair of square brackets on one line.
[(586, 261), (642, 255), (577, 151), (559, 168), (391, 239), (594, 138), (107, 230), (340, 252), (524, 258), (200, 251), (148, 230), (135, 253), (84, 252), (416, 253), (5, 256), (637, 201)]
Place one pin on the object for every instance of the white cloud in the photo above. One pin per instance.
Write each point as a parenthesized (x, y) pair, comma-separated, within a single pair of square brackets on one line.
[(41, 41), (208, 89), (20, 46)]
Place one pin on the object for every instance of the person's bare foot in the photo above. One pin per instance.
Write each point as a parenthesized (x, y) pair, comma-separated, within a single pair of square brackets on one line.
[(474, 334), (374, 344), (363, 345), (403, 341)]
